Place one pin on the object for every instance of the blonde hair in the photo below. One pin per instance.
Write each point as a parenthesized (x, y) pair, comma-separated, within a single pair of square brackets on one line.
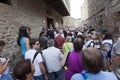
[(68, 39)]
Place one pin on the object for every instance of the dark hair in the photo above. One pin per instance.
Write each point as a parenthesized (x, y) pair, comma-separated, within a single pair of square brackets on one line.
[(2, 43), (107, 36), (104, 31), (21, 69), (78, 44), (81, 36), (22, 33), (42, 32), (33, 41), (92, 60)]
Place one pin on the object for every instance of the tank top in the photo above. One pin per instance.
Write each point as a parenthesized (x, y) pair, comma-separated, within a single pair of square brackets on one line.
[(23, 45)]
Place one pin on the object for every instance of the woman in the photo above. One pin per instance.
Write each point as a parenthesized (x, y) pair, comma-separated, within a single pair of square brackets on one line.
[(74, 64), (67, 46), (24, 39), (24, 70), (92, 61), (4, 69)]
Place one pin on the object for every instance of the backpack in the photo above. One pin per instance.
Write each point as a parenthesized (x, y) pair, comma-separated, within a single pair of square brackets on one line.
[(109, 49), (35, 55), (91, 43)]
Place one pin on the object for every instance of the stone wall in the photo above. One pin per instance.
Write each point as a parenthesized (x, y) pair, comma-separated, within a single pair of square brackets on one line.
[(31, 13), (21, 12), (100, 13)]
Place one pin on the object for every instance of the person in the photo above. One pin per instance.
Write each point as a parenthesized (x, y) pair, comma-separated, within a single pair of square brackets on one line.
[(115, 55), (23, 39), (43, 39), (4, 69), (74, 64), (52, 57), (104, 52), (89, 42), (97, 43), (40, 71), (23, 70), (59, 39), (68, 45), (92, 61), (107, 40), (50, 32)]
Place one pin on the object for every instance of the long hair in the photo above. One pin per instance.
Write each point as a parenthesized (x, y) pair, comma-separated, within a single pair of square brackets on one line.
[(22, 33)]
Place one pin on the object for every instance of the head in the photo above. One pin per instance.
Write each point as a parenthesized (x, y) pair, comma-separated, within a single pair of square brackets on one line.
[(81, 37), (24, 70), (88, 37), (34, 43), (2, 44), (68, 39), (51, 27), (92, 60), (107, 35), (103, 33), (23, 32), (50, 43), (43, 32), (78, 44), (60, 31)]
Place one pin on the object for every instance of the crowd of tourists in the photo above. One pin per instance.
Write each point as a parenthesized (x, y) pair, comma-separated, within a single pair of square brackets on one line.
[(64, 54)]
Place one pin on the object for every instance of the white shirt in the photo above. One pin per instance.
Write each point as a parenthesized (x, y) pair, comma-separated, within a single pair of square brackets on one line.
[(88, 43), (107, 41), (52, 57), (3, 60), (29, 55)]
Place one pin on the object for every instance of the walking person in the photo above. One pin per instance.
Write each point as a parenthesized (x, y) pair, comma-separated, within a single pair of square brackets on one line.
[(24, 70), (92, 61), (68, 45), (89, 42), (4, 68), (40, 71), (53, 57), (115, 55), (43, 39), (23, 39), (74, 64)]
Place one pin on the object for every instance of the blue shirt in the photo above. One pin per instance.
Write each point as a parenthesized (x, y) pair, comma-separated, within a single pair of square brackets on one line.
[(102, 75), (23, 45)]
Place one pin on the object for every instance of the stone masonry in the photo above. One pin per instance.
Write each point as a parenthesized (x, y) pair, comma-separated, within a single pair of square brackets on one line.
[(100, 13), (31, 13)]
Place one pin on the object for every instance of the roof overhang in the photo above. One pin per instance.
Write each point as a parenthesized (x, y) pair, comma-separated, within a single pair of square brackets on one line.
[(60, 6)]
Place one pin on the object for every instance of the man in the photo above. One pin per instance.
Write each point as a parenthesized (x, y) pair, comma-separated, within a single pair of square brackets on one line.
[(43, 39), (50, 33), (53, 57), (115, 53), (4, 69), (40, 71), (59, 39)]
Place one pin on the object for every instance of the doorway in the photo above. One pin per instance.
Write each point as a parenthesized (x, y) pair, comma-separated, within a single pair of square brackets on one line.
[(50, 22)]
